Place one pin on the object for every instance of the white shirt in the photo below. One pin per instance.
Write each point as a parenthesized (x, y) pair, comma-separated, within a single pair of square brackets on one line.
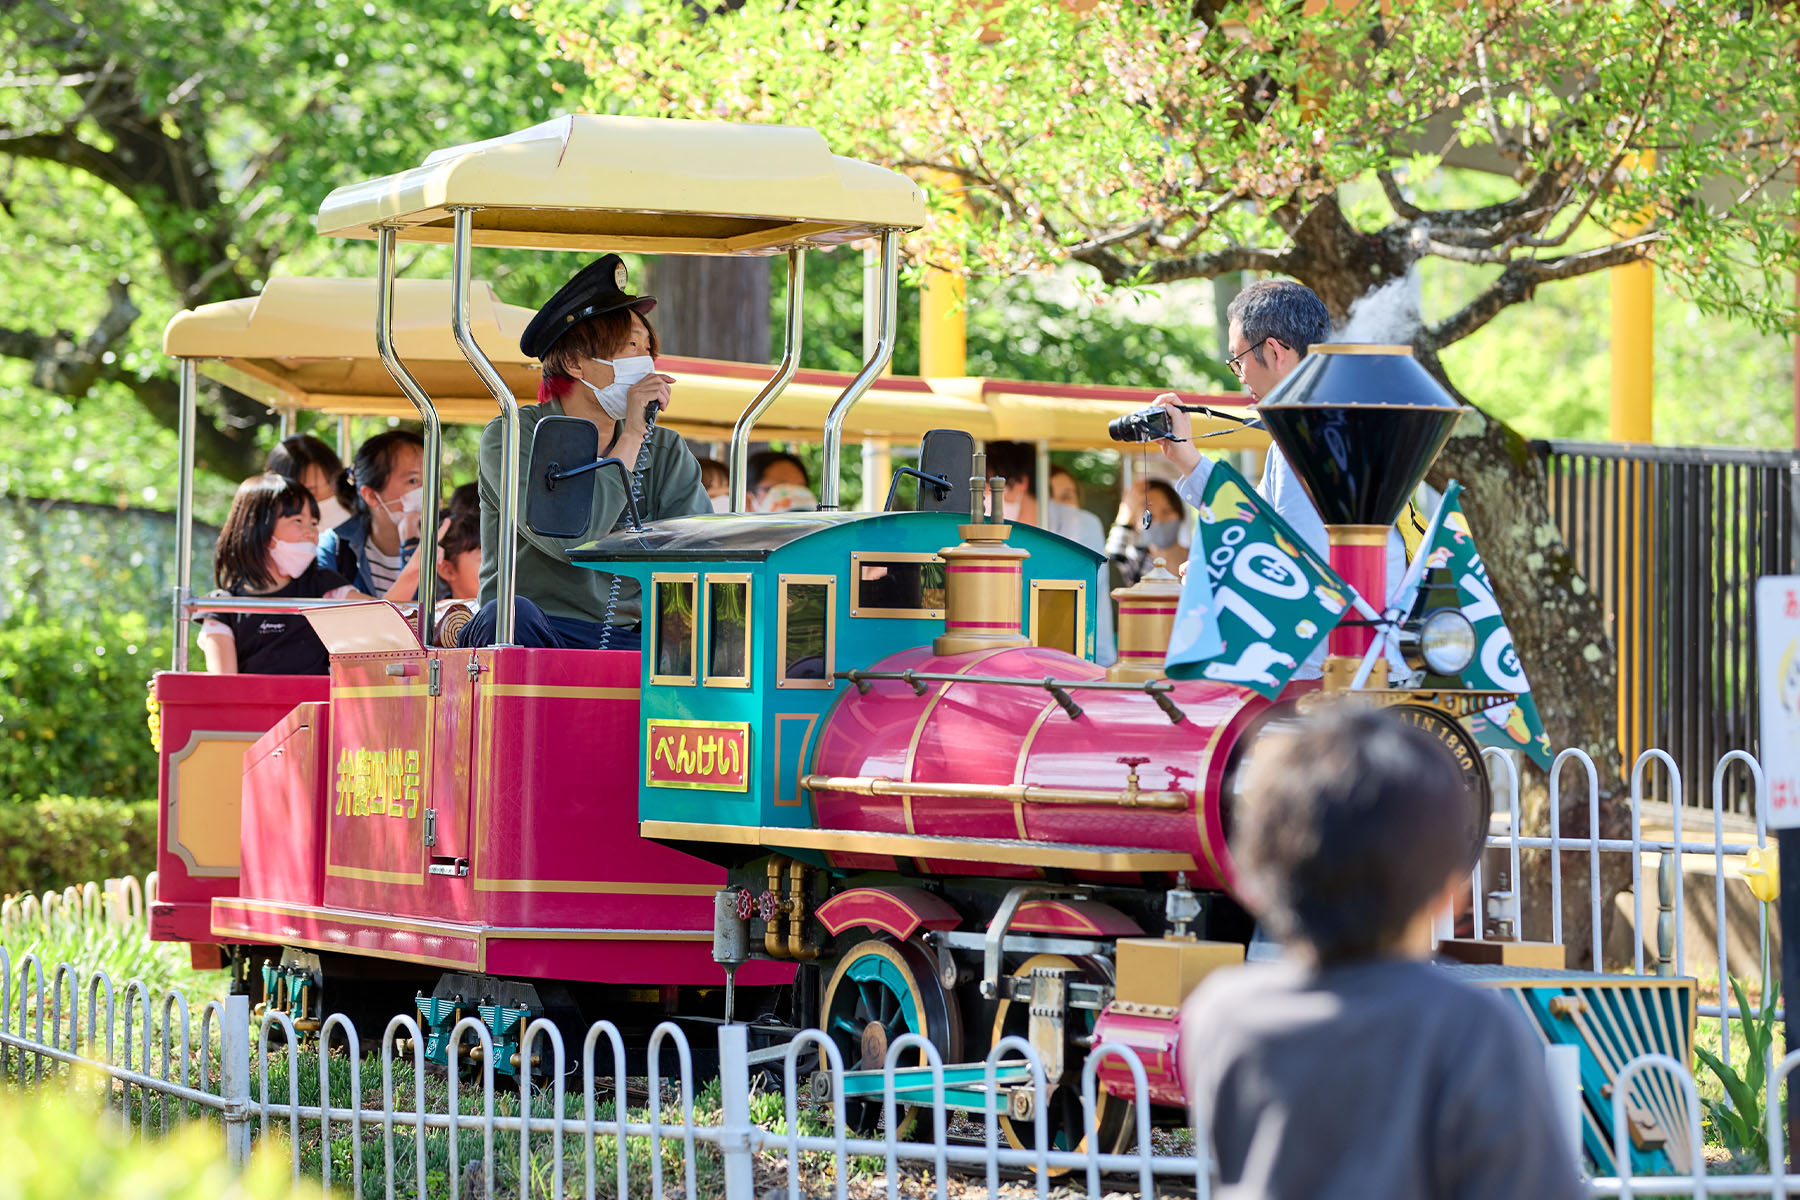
[(1080, 525), (1284, 492)]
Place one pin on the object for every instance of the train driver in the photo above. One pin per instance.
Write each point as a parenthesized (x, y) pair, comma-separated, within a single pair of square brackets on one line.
[(1273, 323), (599, 354)]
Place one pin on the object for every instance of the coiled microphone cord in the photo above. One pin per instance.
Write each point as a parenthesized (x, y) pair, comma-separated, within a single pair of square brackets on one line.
[(637, 499)]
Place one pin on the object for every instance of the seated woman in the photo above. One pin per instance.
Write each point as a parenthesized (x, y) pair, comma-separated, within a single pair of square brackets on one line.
[(1169, 534), (375, 548), (268, 548), (778, 483), (599, 356), (316, 467)]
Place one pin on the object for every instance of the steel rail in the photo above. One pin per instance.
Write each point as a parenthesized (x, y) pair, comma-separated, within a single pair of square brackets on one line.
[(885, 323), (428, 415), (739, 457)]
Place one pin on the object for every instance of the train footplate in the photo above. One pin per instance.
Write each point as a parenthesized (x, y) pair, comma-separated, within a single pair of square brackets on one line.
[(965, 1087)]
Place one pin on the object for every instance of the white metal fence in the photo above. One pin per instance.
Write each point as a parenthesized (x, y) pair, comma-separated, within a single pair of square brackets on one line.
[(588, 1129)]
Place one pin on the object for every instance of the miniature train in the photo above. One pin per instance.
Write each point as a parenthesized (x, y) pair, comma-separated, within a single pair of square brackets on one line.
[(865, 776)]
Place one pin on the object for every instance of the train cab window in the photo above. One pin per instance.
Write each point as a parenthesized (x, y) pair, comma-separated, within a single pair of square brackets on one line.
[(808, 609), (1057, 607), (728, 631), (892, 584), (675, 628)]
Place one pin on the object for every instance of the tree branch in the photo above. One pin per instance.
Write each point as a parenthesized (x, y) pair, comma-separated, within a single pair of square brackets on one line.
[(1522, 277), (1115, 270), (60, 366)]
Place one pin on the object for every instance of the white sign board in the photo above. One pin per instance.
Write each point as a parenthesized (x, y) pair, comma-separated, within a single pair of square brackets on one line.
[(1778, 679)]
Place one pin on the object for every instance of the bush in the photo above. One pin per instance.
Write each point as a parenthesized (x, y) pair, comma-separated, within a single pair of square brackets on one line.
[(72, 706), (57, 1147), (62, 840)]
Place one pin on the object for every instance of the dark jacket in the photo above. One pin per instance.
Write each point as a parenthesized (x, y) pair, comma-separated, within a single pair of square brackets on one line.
[(341, 550)]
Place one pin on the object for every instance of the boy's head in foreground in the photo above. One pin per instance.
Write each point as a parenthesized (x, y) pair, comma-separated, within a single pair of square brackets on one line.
[(1353, 832)]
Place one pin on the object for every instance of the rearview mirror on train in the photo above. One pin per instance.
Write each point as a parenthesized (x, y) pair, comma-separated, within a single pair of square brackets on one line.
[(558, 504), (948, 454)]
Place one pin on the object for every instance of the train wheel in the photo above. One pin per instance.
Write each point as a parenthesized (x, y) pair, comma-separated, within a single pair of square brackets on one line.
[(1062, 1099), (881, 990)]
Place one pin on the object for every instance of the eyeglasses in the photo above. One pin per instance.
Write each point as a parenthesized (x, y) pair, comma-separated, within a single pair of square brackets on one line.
[(1236, 361)]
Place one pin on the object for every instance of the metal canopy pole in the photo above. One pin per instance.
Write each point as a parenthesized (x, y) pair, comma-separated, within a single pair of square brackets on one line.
[(184, 512), (385, 237), (343, 446), (505, 574), (871, 370), (739, 458)]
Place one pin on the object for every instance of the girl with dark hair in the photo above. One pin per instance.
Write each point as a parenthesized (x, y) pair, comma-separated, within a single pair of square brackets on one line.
[(316, 467), (374, 548), (268, 548)]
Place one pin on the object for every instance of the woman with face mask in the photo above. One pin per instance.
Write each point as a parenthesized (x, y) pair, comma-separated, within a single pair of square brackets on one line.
[(1135, 545), (599, 354), (778, 483), (316, 467), (269, 548), (374, 549)]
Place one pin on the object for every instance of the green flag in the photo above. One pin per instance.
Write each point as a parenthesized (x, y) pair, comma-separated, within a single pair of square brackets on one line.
[(1271, 598), (1510, 726)]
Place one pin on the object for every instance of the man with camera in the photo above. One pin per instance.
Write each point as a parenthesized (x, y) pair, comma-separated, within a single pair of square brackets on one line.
[(1273, 324)]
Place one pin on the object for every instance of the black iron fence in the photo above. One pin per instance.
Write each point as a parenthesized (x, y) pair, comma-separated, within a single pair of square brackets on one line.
[(1673, 539)]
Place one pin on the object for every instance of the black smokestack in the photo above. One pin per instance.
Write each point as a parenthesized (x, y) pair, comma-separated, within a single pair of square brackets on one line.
[(1360, 425)]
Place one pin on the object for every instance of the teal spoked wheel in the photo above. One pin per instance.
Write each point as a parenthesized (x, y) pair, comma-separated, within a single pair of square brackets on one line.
[(881, 990), (1063, 1118)]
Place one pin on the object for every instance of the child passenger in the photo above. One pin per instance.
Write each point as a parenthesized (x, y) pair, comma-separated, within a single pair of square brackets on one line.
[(268, 548), (1353, 1067)]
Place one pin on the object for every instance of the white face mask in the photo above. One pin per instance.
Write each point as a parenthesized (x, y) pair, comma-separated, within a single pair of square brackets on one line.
[(626, 371), (290, 559), (332, 514), (784, 497), (722, 504), (1163, 534), (410, 516)]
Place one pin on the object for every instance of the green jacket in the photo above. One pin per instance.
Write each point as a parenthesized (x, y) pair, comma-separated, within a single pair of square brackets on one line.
[(671, 488)]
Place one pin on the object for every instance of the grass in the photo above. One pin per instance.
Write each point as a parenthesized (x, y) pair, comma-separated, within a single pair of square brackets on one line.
[(121, 949)]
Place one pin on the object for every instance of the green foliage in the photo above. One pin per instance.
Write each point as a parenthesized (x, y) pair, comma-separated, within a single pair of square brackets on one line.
[(249, 115), (72, 705), (1041, 327), (58, 841), (1180, 141), (1738, 1120), (58, 1147)]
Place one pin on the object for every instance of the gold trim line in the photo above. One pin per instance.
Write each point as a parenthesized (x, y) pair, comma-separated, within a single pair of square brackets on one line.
[(946, 849)]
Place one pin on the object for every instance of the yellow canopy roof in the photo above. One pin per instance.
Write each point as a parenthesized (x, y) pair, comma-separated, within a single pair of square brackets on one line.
[(310, 344), (647, 184)]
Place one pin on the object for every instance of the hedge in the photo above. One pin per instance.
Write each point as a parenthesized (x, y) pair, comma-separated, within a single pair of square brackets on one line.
[(72, 706), (62, 840)]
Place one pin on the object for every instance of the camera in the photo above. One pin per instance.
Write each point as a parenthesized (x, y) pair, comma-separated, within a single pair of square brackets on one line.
[(1145, 425)]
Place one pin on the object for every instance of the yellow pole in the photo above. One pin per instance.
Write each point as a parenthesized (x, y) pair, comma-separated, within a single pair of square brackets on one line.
[(943, 325), (943, 316), (1633, 332), (1633, 373), (1633, 351)]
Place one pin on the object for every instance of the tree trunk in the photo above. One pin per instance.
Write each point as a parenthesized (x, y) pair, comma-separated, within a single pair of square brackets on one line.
[(1558, 627), (1559, 631), (711, 307)]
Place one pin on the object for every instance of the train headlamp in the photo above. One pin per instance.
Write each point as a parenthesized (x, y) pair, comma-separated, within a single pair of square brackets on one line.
[(1446, 641)]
